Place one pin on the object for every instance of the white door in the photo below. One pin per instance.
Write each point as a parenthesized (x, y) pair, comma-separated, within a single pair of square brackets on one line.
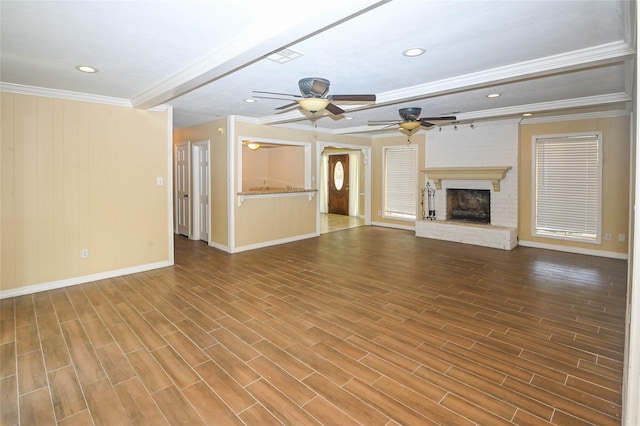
[(183, 213), (202, 202)]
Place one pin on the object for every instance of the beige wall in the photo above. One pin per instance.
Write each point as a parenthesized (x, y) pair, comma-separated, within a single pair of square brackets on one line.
[(274, 167), (218, 171), (615, 175), (263, 220), (79, 175), (285, 166), (377, 177), (254, 168), (288, 217)]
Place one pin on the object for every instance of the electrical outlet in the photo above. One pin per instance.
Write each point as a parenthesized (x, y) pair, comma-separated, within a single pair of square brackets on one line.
[(607, 236), (621, 238), (84, 253)]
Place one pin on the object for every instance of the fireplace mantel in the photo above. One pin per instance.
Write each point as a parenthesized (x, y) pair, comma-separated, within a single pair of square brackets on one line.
[(494, 174)]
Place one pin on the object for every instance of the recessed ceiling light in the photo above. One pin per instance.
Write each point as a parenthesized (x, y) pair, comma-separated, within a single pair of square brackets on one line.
[(250, 101), (348, 118), (494, 95), (414, 51), (527, 114), (87, 69)]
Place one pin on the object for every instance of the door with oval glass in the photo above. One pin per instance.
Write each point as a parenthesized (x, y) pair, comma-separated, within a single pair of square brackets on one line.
[(339, 184)]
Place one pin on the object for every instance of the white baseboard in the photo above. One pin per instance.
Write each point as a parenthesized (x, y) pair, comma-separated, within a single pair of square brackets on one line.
[(393, 225), (275, 242), (52, 285), (576, 250), (219, 246)]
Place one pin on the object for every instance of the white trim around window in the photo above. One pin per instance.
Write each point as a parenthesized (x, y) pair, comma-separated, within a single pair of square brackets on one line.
[(567, 187), (400, 182)]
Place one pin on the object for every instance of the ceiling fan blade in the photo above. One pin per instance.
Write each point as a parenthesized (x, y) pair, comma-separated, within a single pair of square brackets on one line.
[(445, 118), (278, 98), (333, 109), (380, 122), (287, 106), (276, 93), (391, 126), (426, 124), (361, 98)]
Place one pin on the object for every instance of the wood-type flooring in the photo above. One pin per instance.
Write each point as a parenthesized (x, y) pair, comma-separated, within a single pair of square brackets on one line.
[(367, 326)]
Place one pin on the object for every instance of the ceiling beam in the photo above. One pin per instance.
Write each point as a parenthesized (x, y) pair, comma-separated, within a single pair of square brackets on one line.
[(517, 111), (606, 54), (251, 48)]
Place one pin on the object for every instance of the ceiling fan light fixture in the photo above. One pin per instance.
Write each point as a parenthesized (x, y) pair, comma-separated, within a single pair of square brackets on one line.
[(410, 125), (313, 104)]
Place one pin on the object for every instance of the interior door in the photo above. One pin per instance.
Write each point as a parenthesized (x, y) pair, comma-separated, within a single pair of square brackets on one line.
[(203, 192), (339, 184), (183, 170)]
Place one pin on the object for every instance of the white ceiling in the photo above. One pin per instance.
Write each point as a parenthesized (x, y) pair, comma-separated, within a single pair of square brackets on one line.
[(205, 57)]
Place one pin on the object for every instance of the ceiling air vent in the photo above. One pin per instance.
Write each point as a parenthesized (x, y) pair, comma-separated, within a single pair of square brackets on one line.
[(284, 56)]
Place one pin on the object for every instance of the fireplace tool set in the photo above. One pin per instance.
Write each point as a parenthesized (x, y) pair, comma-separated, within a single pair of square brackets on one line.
[(428, 196)]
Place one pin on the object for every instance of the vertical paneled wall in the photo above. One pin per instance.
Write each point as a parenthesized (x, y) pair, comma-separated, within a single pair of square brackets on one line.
[(78, 175)]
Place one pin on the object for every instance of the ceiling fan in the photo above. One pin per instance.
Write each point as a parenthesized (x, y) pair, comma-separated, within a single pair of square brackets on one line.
[(411, 120), (314, 97)]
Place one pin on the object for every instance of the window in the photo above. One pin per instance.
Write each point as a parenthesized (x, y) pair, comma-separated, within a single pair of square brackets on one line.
[(567, 186), (400, 186)]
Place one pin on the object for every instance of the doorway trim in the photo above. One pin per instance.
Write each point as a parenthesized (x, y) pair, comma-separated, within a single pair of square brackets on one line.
[(366, 155), (178, 181), (195, 190)]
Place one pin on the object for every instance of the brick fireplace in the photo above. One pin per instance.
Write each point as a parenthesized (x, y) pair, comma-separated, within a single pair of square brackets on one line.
[(483, 162)]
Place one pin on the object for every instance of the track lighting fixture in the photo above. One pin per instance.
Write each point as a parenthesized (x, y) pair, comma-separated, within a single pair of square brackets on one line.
[(455, 127), (472, 126)]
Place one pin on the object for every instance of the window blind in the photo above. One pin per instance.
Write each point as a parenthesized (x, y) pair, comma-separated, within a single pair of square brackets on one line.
[(400, 181), (567, 187)]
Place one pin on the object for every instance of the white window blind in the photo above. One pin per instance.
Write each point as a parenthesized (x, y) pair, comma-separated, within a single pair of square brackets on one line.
[(400, 181), (567, 187)]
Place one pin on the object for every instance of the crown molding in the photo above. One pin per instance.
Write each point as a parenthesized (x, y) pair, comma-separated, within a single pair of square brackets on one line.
[(245, 119), (574, 117), (517, 111), (579, 59), (608, 53), (546, 106), (63, 94), (287, 125)]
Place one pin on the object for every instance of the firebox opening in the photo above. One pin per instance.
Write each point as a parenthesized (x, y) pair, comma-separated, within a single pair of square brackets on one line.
[(469, 205)]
